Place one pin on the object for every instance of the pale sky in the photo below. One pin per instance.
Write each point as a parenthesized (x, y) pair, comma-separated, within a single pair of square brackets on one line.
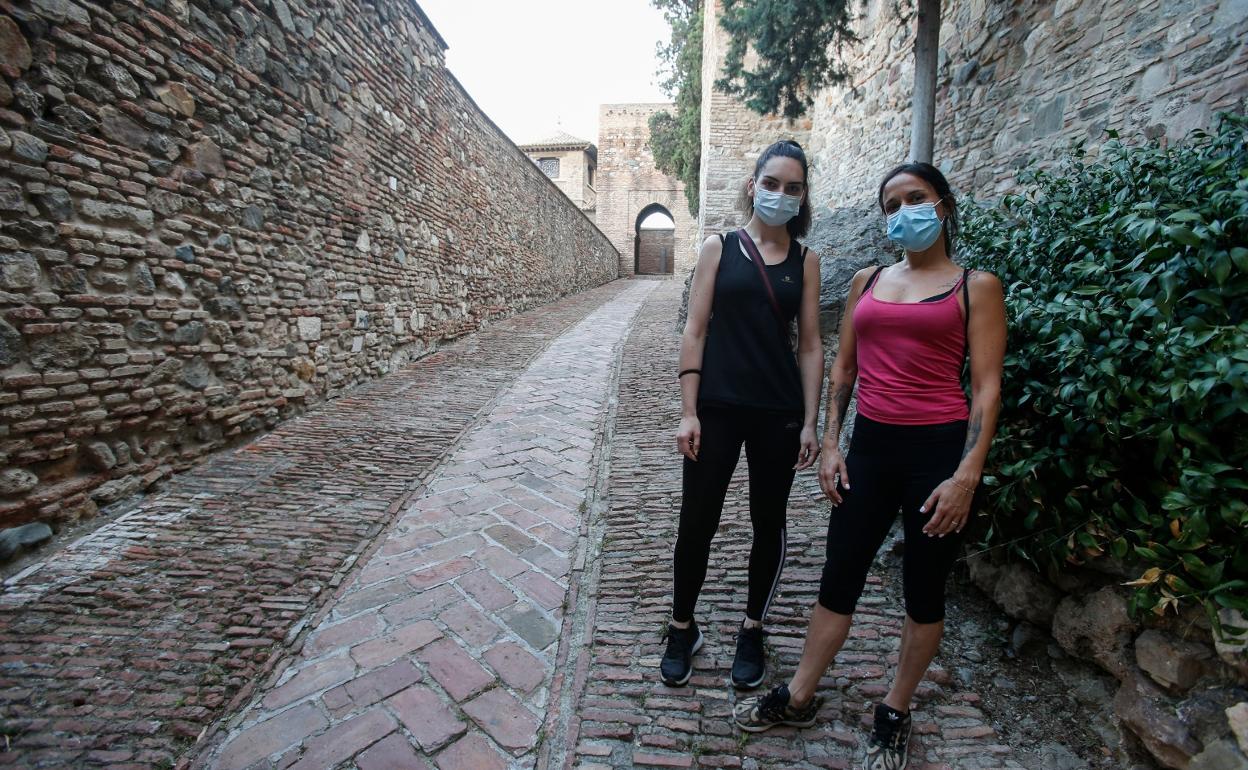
[(540, 66)]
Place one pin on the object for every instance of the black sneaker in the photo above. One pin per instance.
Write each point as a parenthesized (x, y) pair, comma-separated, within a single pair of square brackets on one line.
[(750, 665), (764, 712), (682, 643), (889, 746)]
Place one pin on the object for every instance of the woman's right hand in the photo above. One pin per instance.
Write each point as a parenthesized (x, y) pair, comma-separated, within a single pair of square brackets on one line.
[(831, 471), (689, 437)]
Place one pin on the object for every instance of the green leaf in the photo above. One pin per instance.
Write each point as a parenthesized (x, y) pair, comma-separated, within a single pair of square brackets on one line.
[(1221, 268), (1183, 234), (1239, 255)]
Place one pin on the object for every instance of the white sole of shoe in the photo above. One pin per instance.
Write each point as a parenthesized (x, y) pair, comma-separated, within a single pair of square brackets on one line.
[(764, 728), (685, 679), (747, 685)]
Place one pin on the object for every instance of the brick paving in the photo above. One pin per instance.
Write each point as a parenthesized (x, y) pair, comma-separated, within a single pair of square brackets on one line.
[(447, 636), (463, 565), (122, 649)]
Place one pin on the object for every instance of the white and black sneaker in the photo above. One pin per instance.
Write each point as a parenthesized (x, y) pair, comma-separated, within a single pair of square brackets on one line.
[(682, 643), (749, 666), (889, 746)]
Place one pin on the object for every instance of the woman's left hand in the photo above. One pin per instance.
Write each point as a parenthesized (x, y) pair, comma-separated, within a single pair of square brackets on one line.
[(950, 506), (809, 450)]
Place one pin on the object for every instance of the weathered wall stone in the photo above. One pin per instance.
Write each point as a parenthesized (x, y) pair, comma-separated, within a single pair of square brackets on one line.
[(1153, 718), (1172, 663), (629, 185), (1020, 79), (1097, 627), (199, 200)]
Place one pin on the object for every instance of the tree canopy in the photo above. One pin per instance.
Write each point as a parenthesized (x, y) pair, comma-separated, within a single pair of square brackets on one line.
[(797, 44), (676, 139)]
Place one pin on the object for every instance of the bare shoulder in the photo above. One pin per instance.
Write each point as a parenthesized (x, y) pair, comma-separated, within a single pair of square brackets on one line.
[(811, 263), (708, 260), (712, 247), (712, 242), (862, 275), (984, 283)]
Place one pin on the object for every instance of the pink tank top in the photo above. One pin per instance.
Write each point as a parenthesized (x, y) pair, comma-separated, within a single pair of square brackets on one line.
[(910, 358)]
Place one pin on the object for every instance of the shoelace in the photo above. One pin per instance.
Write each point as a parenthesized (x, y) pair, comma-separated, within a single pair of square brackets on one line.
[(772, 706), (888, 733)]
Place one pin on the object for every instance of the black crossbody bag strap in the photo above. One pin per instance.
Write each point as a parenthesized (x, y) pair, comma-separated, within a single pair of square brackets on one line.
[(748, 244)]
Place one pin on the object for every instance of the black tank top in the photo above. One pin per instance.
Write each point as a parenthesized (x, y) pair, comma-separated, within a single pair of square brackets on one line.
[(748, 359)]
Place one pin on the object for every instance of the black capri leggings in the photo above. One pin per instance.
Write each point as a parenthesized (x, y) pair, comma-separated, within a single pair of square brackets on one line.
[(772, 440), (891, 467)]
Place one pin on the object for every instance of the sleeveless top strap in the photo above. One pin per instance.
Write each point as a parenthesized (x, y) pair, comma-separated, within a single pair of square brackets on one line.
[(871, 280)]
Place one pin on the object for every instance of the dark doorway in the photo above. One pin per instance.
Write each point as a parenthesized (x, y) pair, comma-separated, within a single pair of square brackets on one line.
[(654, 242)]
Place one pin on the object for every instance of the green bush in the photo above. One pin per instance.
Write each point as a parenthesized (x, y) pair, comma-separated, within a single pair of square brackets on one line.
[(1124, 424)]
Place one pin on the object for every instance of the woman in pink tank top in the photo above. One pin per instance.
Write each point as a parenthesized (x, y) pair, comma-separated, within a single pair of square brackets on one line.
[(917, 447)]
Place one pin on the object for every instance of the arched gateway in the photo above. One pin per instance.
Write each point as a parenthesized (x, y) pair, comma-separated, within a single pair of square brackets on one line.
[(631, 189)]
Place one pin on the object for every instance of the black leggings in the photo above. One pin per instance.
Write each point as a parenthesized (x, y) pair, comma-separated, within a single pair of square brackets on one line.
[(891, 467), (771, 443)]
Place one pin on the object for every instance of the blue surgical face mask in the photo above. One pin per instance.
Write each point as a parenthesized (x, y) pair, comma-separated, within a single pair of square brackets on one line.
[(775, 208), (914, 226)]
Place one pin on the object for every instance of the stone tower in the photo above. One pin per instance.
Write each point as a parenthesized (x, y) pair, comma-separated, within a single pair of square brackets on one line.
[(631, 188)]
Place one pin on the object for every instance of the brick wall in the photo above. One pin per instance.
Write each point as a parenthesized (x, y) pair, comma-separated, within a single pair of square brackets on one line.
[(212, 216), (628, 182), (1020, 79), (655, 251), (733, 136)]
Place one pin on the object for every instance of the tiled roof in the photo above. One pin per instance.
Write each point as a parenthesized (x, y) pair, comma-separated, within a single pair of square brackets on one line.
[(560, 139)]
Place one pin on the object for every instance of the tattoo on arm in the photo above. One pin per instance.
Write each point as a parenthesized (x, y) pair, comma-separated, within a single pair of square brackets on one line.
[(840, 402), (973, 431)]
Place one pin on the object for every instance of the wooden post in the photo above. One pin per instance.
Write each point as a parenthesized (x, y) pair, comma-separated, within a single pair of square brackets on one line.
[(926, 48)]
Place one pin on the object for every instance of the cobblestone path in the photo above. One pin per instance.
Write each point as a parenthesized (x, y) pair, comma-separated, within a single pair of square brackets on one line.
[(123, 649), (462, 565)]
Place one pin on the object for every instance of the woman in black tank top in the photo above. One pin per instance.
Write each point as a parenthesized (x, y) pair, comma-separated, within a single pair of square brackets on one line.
[(743, 383)]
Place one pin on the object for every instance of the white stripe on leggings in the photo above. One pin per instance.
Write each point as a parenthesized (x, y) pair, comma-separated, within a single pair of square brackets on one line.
[(784, 547)]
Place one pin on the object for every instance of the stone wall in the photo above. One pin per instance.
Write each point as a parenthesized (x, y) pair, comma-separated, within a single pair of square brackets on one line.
[(1020, 79), (628, 182), (1181, 692), (213, 214), (732, 136)]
